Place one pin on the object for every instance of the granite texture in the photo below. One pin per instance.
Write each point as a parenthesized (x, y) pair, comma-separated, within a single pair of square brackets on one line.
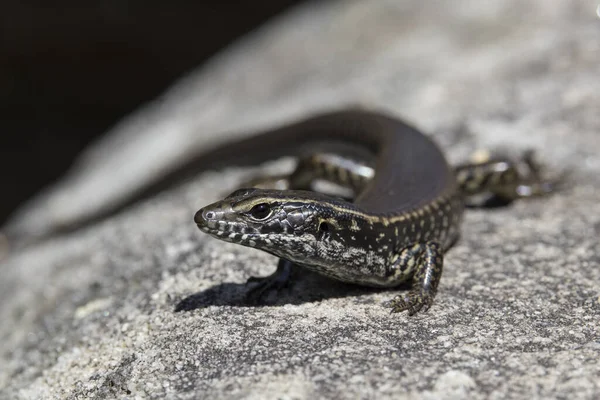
[(142, 305)]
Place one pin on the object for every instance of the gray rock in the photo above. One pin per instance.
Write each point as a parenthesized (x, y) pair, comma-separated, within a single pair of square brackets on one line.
[(92, 313)]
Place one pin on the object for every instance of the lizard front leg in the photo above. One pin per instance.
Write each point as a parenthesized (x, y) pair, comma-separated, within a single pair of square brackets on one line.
[(276, 281), (425, 261)]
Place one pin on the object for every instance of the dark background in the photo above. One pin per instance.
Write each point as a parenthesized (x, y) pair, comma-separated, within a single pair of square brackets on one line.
[(69, 71)]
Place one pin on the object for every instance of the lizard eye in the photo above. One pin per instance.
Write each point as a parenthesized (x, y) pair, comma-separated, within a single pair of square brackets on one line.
[(260, 211)]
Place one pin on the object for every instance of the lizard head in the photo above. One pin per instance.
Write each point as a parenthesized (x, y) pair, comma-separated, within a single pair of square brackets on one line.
[(288, 224)]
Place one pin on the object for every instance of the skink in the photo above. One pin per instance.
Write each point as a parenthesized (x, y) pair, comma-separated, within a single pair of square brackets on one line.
[(398, 226)]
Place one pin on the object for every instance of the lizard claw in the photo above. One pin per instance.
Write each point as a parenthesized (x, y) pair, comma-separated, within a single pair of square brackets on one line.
[(414, 301)]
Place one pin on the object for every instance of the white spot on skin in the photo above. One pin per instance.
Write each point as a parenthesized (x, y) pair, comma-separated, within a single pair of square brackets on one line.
[(380, 237), (350, 264)]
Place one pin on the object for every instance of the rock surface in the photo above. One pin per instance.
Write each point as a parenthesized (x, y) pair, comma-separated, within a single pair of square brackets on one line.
[(92, 313)]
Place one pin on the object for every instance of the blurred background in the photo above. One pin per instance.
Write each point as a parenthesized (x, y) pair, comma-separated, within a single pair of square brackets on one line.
[(70, 71)]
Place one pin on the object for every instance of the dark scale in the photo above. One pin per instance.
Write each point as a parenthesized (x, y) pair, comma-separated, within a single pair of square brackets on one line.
[(404, 211)]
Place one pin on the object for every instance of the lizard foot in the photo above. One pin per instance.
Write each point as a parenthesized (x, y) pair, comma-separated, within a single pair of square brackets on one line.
[(414, 301), (276, 281)]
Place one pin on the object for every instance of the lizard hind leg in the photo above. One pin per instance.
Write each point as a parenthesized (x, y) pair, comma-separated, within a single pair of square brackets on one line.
[(501, 180), (322, 172), (336, 169)]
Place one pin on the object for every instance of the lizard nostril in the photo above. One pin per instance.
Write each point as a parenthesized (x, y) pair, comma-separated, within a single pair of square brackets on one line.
[(203, 216)]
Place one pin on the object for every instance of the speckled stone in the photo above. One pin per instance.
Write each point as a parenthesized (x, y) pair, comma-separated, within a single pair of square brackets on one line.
[(91, 314)]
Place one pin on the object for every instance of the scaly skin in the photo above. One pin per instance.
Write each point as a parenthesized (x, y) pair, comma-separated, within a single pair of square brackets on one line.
[(350, 239)]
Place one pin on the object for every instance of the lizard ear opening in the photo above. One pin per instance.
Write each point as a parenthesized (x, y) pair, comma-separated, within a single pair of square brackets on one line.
[(323, 232)]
